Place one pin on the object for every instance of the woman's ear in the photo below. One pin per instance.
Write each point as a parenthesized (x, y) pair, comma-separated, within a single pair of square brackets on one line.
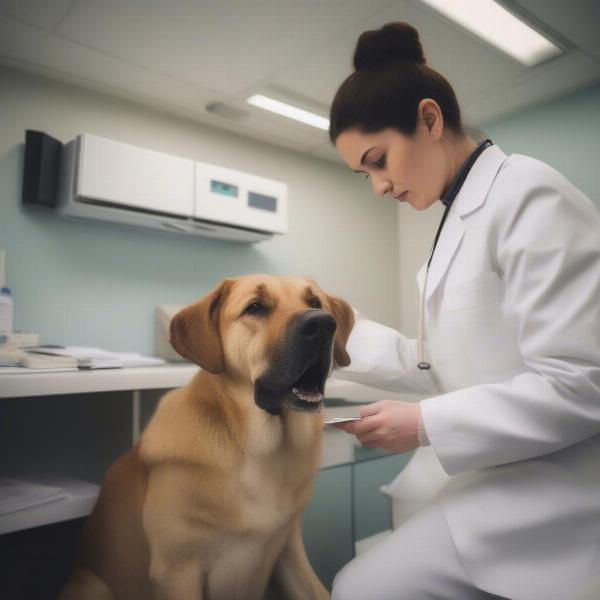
[(432, 117), (344, 317), (195, 332)]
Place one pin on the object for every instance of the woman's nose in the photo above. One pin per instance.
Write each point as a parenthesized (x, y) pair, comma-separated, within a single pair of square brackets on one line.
[(381, 186)]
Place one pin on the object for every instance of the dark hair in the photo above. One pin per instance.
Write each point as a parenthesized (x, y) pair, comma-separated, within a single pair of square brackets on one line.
[(389, 81)]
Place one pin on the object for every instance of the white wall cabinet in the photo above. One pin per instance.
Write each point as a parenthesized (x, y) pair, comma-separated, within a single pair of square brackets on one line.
[(123, 174)]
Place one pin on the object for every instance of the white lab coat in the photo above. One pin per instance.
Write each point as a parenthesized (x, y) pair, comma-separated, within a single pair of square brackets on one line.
[(512, 322)]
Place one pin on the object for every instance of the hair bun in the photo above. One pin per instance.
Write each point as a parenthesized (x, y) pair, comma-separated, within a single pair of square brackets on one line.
[(394, 41)]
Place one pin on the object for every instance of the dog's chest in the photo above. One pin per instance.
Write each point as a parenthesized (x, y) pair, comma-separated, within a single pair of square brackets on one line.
[(271, 491), (275, 478)]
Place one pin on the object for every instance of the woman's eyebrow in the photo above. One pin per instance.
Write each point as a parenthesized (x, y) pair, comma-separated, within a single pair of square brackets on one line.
[(363, 157)]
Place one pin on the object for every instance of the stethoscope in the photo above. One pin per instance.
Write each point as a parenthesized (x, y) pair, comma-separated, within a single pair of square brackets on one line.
[(447, 199)]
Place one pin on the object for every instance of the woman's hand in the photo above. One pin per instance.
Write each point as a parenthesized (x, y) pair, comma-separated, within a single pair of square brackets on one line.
[(389, 424)]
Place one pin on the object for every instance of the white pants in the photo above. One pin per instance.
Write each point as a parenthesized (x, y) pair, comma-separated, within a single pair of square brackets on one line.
[(417, 561)]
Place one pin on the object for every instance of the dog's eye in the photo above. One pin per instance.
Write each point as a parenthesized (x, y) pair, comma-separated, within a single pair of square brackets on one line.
[(255, 308), (315, 303)]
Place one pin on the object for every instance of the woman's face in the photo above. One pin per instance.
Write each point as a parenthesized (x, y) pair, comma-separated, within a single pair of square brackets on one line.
[(415, 166)]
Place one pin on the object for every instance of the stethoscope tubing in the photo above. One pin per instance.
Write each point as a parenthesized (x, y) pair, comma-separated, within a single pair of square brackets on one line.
[(453, 191), (421, 359)]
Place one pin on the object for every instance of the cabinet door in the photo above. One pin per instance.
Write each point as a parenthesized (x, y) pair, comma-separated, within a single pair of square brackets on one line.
[(119, 173), (372, 508), (327, 523)]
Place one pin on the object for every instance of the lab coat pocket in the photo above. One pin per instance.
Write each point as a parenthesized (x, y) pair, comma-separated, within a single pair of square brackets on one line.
[(475, 309), (473, 292)]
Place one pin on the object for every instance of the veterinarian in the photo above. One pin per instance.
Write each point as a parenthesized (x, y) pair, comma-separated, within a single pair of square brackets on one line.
[(508, 352)]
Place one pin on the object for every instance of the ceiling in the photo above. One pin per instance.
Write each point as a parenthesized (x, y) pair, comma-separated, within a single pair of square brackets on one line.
[(183, 55)]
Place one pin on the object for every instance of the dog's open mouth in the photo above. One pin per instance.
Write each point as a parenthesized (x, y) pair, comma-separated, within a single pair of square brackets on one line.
[(307, 392), (303, 394)]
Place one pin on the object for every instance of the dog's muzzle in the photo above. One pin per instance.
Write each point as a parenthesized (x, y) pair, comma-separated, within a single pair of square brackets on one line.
[(300, 365)]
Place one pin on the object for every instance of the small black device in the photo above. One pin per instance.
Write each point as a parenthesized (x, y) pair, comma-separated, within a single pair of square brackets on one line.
[(41, 168)]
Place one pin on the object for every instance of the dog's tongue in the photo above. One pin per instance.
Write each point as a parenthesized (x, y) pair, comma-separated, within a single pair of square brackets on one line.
[(308, 395)]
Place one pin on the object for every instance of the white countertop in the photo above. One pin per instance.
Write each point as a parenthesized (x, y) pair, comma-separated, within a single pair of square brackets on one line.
[(159, 377), (338, 446)]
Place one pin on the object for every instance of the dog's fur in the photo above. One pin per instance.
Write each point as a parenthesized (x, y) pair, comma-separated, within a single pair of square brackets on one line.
[(208, 503)]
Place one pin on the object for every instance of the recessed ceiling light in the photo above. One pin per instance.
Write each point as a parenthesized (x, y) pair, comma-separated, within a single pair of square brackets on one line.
[(499, 27), (287, 110)]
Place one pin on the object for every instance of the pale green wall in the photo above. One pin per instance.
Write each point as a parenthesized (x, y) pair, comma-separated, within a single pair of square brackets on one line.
[(89, 283), (565, 133), (95, 284)]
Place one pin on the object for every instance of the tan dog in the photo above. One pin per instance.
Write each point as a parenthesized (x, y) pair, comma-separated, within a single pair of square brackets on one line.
[(208, 503)]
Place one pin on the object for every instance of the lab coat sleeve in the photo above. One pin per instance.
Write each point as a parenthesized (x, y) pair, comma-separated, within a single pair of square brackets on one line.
[(546, 240), (384, 358)]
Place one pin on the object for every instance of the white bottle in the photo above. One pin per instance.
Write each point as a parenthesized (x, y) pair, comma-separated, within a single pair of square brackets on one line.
[(6, 312)]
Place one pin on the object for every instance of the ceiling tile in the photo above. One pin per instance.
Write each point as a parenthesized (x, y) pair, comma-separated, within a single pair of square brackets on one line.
[(550, 80), (469, 64), (61, 59), (90, 68), (41, 13), (223, 45), (180, 55)]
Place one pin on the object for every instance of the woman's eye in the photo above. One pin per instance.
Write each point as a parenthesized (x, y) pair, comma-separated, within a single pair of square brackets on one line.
[(254, 309), (381, 162), (378, 163)]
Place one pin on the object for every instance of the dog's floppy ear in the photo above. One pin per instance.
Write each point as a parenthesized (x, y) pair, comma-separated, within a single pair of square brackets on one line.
[(344, 317), (195, 330)]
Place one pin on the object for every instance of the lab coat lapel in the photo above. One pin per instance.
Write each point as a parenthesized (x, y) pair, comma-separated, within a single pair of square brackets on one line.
[(472, 195), (452, 234)]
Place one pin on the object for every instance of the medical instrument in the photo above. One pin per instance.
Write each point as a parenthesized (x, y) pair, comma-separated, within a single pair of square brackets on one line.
[(342, 420)]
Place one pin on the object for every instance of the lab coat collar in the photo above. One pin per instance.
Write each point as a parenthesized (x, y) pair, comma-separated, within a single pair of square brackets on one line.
[(474, 190), (471, 196)]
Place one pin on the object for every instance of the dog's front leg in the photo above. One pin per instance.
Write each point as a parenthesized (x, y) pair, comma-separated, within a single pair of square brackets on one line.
[(293, 577), (183, 580)]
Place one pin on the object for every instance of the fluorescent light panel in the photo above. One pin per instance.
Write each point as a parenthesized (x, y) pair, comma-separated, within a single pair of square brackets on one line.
[(287, 110), (499, 27)]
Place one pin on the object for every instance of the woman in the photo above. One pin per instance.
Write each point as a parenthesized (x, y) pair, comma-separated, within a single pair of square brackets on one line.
[(511, 310)]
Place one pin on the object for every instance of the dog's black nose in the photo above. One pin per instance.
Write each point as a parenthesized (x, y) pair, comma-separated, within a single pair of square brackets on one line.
[(316, 323)]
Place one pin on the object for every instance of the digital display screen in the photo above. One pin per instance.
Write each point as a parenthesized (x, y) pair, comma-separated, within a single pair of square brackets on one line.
[(261, 201), (225, 189)]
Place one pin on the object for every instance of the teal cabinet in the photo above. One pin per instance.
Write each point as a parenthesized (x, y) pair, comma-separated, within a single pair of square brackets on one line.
[(372, 509), (348, 506)]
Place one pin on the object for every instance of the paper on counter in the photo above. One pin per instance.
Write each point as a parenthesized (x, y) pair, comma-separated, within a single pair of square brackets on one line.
[(17, 494)]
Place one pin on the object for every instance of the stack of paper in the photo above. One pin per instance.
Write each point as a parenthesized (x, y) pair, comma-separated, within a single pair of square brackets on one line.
[(10, 358), (17, 494), (45, 361), (43, 499), (88, 358), (96, 358), (21, 358)]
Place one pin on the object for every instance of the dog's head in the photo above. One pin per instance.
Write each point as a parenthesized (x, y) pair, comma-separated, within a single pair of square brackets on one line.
[(281, 333)]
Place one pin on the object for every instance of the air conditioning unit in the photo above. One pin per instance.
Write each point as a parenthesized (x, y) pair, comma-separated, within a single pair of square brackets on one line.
[(116, 182)]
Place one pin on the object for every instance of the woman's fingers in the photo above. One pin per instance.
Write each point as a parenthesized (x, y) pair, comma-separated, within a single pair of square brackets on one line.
[(375, 436), (388, 424), (373, 408), (367, 424)]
